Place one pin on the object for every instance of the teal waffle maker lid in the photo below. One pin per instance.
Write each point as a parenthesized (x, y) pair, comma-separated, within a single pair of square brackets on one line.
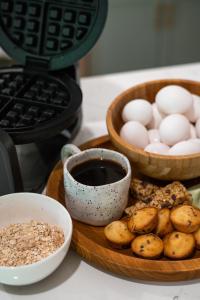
[(52, 33)]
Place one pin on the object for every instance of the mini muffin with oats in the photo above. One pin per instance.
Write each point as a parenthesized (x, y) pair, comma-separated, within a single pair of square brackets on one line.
[(118, 235)]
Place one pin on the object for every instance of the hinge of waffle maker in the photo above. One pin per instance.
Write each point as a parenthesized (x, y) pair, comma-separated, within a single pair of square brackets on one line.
[(35, 63)]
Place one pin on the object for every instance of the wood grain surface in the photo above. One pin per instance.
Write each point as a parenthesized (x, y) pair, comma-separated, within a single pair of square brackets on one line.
[(163, 167), (90, 243)]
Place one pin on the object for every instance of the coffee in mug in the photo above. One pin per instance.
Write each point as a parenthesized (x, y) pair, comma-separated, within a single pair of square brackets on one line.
[(96, 183)]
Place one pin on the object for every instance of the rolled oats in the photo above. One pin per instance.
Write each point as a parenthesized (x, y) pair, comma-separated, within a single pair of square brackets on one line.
[(27, 243)]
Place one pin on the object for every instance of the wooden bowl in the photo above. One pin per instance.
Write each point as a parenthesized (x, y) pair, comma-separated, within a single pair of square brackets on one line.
[(163, 167)]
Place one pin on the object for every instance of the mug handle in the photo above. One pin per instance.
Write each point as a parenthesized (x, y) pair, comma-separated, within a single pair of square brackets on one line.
[(67, 151)]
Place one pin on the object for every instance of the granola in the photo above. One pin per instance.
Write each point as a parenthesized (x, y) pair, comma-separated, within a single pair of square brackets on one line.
[(142, 190), (169, 196)]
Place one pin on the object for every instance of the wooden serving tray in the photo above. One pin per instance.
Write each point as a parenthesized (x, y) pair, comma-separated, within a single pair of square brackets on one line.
[(90, 243)]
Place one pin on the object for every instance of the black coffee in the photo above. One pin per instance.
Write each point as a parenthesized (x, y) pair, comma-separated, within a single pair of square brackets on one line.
[(97, 172)]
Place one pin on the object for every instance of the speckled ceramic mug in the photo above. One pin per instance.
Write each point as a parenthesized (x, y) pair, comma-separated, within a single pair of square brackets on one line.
[(95, 205)]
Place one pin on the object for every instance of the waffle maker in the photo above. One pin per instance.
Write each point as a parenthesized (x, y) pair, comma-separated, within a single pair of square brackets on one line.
[(40, 99)]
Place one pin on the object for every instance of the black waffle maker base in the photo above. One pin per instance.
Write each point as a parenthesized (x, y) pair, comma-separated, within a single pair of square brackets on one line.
[(28, 99), (40, 100)]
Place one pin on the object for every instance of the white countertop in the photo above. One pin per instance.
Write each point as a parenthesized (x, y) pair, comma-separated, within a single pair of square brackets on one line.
[(75, 279)]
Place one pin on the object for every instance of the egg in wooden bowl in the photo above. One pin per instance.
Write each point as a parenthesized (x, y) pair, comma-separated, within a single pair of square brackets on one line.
[(160, 134)]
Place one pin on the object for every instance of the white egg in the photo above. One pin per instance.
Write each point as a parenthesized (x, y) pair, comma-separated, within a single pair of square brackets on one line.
[(198, 128), (194, 112), (159, 148), (173, 99), (154, 136), (192, 132), (184, 148), (139, 110), (173, 129), (194, 140), (135, 134), (156, 118)]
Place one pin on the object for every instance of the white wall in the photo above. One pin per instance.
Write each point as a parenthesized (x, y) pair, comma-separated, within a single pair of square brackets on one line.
[(146, 33)]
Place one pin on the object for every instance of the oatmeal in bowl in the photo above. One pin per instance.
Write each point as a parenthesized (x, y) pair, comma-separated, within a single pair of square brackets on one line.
[(35, 235)]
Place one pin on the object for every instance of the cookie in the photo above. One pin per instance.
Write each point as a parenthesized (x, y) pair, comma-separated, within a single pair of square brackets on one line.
[(164, 225), (197, 238), (147, 246), (179, 245), (143, 220), (185, 218), (118, 234)]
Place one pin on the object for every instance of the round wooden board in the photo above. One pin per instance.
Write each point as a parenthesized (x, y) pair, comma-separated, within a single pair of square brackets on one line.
[(90, 243)]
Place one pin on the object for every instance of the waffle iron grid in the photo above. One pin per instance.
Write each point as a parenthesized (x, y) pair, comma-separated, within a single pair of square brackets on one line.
[(51, 34), (45, 28), (27, 100)]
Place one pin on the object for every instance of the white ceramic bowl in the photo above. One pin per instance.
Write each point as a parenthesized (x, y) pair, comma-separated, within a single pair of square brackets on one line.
[(23, 207)]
